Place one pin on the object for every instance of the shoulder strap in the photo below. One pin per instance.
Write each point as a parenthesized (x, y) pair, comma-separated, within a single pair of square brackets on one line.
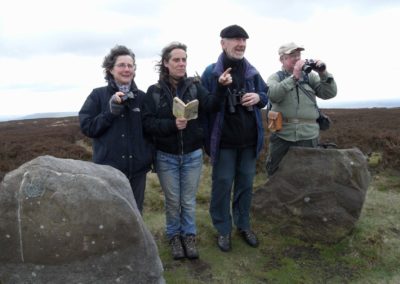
[(156, 96), (281, 75), (308, 95), (192, 89)]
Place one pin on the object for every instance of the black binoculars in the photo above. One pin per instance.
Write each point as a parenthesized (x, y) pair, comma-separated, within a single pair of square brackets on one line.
[(310, 65), (235, 98)]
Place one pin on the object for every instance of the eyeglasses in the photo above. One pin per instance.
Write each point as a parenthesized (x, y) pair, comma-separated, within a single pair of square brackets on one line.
[(124, 65)]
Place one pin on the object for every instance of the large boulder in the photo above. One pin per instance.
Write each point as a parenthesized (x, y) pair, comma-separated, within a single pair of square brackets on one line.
[(316, 194), (70, 221)]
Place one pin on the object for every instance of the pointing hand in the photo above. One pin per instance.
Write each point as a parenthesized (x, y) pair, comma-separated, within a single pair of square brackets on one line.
[(225, 78)]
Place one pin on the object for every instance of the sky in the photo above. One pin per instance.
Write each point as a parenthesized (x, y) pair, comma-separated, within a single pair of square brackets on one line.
[(51, 51)]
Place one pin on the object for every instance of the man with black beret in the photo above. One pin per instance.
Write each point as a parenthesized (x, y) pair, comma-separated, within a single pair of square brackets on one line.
[(234, 136), (234, 31)]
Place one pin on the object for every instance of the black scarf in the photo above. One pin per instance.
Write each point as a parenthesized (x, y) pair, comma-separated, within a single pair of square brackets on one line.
[(237, 73)]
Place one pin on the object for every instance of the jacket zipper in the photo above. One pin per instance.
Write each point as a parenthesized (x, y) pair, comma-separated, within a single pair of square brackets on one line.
[(180, 135), (181, 140)]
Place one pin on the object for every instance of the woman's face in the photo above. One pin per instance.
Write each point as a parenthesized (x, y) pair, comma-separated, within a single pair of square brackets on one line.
[(123, 70), (177, 63)]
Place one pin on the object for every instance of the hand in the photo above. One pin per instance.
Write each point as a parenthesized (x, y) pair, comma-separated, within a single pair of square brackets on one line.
[(250, 99), (181, 123), (298, 69), (321, 67), (115, 102), (225, 78), (117, 97)]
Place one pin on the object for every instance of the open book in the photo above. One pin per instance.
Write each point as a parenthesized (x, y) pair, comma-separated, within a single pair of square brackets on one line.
[(182, 110)]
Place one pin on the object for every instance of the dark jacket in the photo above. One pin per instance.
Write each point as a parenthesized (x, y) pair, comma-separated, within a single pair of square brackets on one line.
[(118, 140), (159, 122), (215, 124)]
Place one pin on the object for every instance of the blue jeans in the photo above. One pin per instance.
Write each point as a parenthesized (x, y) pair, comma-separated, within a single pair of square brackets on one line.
[(179, 177), (234, 167)]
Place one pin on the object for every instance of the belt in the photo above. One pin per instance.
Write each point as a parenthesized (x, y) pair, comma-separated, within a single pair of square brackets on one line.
[(299, 120)]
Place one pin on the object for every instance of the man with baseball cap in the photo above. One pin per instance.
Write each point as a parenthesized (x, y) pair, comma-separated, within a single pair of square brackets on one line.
[(292, 92), (234, 136), (289, 48)]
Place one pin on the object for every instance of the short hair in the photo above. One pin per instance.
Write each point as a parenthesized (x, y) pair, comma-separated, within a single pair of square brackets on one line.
[(166, 55), (111, 58)]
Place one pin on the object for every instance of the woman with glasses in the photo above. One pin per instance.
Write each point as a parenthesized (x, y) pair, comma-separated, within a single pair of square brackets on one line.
[(111, 117)]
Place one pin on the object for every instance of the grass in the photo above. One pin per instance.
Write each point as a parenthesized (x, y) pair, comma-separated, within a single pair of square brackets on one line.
[(370, 254)]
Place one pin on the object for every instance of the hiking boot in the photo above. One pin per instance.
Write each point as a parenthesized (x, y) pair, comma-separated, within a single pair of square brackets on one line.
[(176, 247), (249, 237), (224, 242), (189, 244)]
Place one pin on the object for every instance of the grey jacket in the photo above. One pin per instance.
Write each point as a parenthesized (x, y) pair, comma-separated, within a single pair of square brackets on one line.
[(298, 111)]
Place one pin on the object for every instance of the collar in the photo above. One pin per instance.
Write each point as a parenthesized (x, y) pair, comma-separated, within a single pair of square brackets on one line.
[(250, 70)]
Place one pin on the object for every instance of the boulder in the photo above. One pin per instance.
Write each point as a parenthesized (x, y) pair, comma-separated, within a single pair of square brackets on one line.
[(71, 221), (316, 194)]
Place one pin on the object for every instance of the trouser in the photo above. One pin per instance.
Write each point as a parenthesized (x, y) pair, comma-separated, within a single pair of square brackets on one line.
[(278, 148), (138, 185), (179, 177), (234, 167)]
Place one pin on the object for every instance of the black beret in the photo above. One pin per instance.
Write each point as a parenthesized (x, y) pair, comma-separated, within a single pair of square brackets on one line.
[(234, 31)]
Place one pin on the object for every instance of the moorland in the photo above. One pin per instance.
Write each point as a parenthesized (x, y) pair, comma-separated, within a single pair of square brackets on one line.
[(369, 255)]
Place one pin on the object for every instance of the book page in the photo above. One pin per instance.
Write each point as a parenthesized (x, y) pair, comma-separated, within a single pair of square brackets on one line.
[(178, 108), (182, 110), (191, 110)]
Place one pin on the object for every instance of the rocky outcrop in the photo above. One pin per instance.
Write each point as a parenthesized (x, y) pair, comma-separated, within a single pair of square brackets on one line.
[(70, 221), (316, 194)]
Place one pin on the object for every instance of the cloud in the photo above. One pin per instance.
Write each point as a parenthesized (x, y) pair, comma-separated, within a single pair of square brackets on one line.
[(87, 28), (54, 49), (302, 10), (85, 43)]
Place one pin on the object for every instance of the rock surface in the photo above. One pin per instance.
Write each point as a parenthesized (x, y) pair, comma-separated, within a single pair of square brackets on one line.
[(70, 221), (316, 195)]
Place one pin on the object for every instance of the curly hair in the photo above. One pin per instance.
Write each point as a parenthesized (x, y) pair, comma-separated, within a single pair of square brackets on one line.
[(165, 56), (111, 58)]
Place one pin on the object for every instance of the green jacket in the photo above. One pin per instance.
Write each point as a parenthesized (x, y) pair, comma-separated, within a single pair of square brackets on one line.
[(298, 111)]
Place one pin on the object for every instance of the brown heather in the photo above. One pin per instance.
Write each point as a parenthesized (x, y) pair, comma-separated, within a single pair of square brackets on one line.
[(375, 130)]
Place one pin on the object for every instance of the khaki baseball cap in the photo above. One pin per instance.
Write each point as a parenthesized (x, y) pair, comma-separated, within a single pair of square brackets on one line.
[(288, 48)]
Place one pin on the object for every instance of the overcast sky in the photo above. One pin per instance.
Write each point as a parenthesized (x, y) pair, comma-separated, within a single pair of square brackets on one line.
[(51, 51)]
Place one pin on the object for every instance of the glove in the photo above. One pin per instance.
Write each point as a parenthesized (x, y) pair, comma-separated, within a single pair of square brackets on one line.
[(115, 108)]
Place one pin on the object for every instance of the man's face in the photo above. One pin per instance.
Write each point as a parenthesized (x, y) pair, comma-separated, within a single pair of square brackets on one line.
[(177, 63), (234, 47), (289, 60)]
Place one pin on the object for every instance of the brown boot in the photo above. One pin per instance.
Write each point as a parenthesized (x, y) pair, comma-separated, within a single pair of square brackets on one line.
[(189, 244), (176, 247), (249, 237)]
